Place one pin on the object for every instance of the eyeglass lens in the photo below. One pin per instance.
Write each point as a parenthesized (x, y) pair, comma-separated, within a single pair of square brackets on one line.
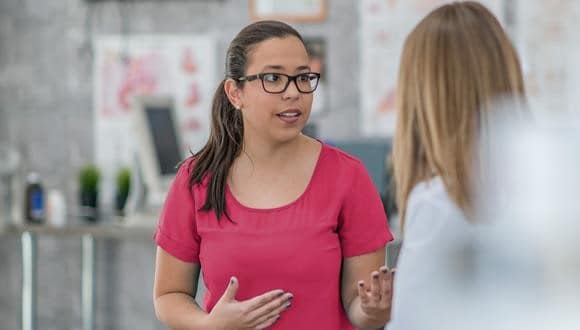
[(277, 83)]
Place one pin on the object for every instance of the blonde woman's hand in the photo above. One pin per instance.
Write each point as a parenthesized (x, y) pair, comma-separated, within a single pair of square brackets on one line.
[(376, 296), (259, 312)]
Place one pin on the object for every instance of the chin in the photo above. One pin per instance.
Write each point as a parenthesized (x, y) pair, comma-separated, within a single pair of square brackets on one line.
[(287, 135)]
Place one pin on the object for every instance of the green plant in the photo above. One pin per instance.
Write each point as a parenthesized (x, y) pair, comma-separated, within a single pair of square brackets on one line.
[(123, 181), (89, 176)]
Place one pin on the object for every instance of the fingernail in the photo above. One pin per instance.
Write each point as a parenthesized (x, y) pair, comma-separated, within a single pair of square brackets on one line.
[(375, 275), (232, 280), (288, 304), (384, 270), (290, 298), (361, 284)]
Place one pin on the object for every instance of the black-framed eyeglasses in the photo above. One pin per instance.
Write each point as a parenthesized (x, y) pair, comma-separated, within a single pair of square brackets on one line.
[(276, 83)]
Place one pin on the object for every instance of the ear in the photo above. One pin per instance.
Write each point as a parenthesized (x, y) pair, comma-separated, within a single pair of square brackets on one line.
[(233, 92)]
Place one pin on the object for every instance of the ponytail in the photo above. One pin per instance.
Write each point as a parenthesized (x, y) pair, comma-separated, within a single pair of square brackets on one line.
[(217, 156)]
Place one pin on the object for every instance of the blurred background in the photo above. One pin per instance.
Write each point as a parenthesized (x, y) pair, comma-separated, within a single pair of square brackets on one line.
[(82, 81)]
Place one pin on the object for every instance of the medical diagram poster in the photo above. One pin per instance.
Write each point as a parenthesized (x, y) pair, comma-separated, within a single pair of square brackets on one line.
[(180, 67)]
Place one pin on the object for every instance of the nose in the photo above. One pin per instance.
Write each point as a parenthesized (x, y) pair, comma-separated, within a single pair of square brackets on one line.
[(292, 90)]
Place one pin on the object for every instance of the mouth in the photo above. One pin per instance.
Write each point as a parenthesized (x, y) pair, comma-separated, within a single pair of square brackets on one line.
[(290, 113), (289, 116)]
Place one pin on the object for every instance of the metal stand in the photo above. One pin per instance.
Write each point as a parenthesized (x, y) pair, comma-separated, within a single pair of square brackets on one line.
[(88, 282), (28, 281)]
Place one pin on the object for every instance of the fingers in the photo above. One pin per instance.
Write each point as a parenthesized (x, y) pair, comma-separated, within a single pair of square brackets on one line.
[(362, 293), (274, 307), (375, 300), (231, 290), (270, 310), (258, 312), (380, 287), (267, 322), (261, 300), (386, 284), (375, 286)]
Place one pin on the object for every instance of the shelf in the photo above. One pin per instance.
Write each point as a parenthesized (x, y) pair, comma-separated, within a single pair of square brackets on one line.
[(117, 231)]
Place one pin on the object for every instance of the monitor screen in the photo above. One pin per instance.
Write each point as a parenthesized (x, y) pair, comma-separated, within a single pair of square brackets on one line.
[(165, 142), (158, 144)]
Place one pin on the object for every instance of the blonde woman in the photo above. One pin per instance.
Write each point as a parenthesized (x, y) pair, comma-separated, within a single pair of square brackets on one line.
[(455, 63)]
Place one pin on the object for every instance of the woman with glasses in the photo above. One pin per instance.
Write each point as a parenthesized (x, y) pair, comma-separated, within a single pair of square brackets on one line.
[(289, 233)]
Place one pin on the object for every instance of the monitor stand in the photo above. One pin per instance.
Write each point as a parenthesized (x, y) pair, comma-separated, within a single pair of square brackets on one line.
[(143, 207)]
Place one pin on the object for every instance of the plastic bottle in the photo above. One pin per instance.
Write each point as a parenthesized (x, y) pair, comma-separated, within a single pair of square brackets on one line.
[(34, 204), (55, 208)]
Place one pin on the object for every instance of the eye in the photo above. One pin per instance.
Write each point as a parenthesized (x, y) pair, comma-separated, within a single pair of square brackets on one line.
[(305, 77), (271, 77)]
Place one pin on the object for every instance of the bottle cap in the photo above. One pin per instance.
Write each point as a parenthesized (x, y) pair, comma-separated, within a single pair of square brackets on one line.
[(32, 177)]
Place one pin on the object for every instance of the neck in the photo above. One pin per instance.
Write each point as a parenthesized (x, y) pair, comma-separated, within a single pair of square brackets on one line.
[(262, 152)]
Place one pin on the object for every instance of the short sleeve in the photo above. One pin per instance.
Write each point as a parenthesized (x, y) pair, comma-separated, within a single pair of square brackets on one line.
[(177, 231), (363, 226)]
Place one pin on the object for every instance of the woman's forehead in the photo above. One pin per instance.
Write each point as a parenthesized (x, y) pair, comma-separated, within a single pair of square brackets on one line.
[(281, 53)]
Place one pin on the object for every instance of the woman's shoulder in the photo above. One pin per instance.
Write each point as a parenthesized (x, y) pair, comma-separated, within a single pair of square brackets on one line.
[(338, 159), (184, 173), (184, 168), (186, 164), (430, 198), (431, 193), (428, 190)]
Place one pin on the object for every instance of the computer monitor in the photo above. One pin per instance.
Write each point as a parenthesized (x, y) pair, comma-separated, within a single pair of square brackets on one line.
[(159, 144)]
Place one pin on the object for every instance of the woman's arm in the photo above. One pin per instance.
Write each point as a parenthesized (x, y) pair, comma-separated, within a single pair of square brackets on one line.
[(366, 290), (174, 293)]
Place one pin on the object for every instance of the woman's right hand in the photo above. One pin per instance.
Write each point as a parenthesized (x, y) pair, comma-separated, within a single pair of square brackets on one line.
[(259, 312)]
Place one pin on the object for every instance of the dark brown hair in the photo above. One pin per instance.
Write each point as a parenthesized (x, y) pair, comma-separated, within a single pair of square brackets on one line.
[(227, 130)]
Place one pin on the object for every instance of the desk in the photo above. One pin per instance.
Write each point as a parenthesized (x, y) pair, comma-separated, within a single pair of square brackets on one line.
[(88, 234)]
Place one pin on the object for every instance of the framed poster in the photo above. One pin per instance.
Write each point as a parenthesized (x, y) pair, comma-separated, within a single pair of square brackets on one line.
[(289, 10)]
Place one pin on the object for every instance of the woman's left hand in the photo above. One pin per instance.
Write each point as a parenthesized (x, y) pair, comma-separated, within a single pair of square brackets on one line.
[(376, 297)]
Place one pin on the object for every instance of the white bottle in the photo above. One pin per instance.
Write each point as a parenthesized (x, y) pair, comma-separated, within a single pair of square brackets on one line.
[(56, 208)]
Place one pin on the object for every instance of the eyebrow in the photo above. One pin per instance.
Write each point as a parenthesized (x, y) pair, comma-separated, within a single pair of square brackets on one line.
[(280, 67)]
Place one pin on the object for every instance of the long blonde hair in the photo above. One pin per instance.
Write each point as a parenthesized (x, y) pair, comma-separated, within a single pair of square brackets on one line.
[(455, 62)]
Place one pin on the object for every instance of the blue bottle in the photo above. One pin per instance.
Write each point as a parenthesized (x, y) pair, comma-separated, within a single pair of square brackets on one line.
[(34, 204)]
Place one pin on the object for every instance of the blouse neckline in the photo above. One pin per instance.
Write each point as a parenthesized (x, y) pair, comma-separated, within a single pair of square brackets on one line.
[(290, 204)]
